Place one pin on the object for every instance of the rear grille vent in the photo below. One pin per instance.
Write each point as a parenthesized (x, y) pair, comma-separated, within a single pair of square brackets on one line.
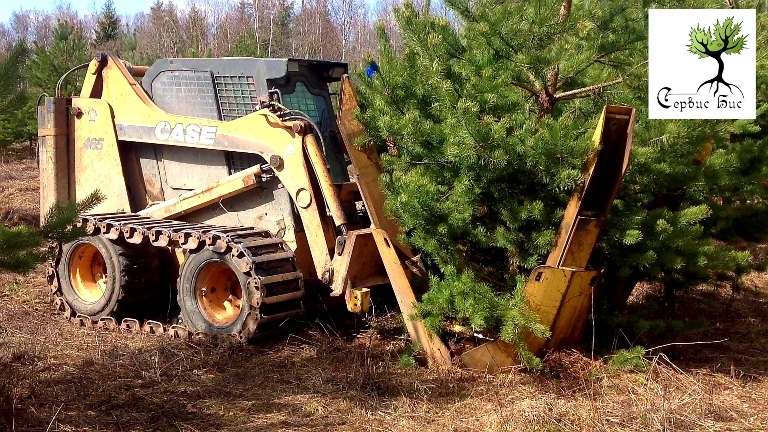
[(238, 96), (186, 92)]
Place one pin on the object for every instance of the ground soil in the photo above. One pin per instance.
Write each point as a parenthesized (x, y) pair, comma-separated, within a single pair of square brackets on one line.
[(56, 377)]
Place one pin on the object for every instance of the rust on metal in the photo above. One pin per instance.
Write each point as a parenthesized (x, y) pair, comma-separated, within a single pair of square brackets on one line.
[(107, 323), (130, 325), (153, 327)]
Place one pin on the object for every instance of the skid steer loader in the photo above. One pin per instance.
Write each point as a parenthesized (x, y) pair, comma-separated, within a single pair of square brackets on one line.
[(233, 189)]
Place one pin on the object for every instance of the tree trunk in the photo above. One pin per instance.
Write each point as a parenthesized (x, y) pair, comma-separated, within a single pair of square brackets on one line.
[(565, 11), (720, 67), (615, 290), (670, 299), (546, 104)]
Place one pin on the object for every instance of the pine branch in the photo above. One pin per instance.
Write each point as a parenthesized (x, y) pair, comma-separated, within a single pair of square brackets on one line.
[(91, 201), (587, 91), (524, 87), (599, 59), (435, 163), (57, 224), (535, 82)]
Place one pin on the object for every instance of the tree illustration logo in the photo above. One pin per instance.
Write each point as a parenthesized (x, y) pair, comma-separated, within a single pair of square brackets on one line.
[(702, 64), (725, 39)]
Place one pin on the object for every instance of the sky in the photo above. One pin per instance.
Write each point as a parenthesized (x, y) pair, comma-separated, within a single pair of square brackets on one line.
[(124, 7)]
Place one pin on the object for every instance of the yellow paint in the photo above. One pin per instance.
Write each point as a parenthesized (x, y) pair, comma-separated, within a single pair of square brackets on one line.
[(436, 351), (96, 157), (359, 301), (603, 174), (367, 167), (492, 357), (126, 113), (560, 293), (53, 154), (262, 132), (561, 298)]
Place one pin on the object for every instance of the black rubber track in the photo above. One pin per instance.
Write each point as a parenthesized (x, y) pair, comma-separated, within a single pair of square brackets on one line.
[(150, 285)]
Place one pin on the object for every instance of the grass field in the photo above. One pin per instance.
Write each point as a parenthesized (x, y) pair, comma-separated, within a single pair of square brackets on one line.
[(327, 377)]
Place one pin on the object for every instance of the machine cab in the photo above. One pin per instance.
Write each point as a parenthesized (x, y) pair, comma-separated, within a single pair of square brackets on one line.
[(229, 88)]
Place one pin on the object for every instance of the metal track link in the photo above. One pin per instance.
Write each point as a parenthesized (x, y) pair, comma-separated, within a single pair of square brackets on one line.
[(275, 293)]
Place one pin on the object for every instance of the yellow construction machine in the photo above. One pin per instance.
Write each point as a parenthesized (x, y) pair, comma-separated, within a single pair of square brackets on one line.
[(235, 194)]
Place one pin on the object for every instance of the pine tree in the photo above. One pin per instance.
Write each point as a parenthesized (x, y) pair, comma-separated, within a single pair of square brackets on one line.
[(484, 130), (16, 123), (108, 26), (68, 48), (22, 247)]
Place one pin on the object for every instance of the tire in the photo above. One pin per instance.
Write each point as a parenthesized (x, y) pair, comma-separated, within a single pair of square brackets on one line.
[(99, 278), (213, 294)]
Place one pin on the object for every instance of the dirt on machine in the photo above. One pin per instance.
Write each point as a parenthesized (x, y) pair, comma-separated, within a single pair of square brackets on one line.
[(236, 196)]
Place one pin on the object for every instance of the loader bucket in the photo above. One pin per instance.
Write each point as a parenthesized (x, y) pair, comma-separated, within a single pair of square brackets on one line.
[(561, 291)]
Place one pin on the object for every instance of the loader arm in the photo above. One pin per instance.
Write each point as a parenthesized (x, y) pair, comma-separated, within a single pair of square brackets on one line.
[(369, 252)]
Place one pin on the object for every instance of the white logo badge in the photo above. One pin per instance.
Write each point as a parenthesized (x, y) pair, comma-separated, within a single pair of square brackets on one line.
[(701, 64), (190, 134)]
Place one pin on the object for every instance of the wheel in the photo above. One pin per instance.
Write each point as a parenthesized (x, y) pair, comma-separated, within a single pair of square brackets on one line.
[(99, 278), (213, 294)]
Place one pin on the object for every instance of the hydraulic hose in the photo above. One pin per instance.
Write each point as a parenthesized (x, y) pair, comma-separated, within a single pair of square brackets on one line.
[(63, 77)]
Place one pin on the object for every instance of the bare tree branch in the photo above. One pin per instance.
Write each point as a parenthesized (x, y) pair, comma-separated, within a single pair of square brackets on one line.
[(587, 91)]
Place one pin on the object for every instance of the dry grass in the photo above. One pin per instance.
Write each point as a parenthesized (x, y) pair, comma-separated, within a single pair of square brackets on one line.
[(19, 190), (56, 377), (316, 381)]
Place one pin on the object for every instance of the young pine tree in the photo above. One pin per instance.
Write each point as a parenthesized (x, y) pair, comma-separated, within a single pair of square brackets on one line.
[(491, 123), (22, 247), (17, 123), (108, 30), (68, 48)]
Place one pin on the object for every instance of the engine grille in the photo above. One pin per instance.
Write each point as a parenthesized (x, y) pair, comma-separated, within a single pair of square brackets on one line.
[(186, 92), (238, 96)]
